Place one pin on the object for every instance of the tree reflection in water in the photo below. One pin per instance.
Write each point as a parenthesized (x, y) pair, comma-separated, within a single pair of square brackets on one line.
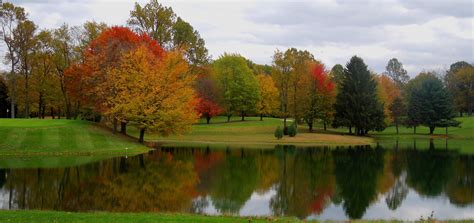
[(299, 182)]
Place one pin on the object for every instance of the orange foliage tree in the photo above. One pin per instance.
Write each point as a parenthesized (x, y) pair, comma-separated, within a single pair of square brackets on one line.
[(387, 92), (157, 94), (90, 79)]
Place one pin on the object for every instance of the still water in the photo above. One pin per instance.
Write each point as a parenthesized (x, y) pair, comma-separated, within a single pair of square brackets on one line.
[(309, 183)]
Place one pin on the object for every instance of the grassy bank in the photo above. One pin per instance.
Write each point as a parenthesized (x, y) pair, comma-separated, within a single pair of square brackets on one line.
[(461, 138), (34, 137), (54, 216), (100, 217), (253, 132)]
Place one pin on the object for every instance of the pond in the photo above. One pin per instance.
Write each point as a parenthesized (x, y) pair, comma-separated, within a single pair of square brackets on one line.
[(309, 183)]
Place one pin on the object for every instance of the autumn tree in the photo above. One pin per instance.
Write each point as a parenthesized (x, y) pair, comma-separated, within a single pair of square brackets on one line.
[(172, 32), (24, 40), (357, 104), (268, 100), (42, 71), (154, 91), (396, 71), (289, 69), (209, 95), (322, 97), (10, 17), (460, 83), (103, 54), (387, 92), (237, 84)]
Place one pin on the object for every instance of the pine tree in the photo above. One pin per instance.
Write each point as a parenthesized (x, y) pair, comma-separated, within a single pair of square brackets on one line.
[(357, 104), (429, 103)]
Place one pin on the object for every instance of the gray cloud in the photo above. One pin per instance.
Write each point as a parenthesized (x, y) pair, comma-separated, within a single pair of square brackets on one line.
[(429, 34)]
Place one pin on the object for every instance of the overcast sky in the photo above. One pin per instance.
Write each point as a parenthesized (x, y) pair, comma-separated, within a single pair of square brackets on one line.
[(424, 35)]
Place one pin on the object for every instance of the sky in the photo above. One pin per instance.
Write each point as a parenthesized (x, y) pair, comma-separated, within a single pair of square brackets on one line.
[(423, 35)]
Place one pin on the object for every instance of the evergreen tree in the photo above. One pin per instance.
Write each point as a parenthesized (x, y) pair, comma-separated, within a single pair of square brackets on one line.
[(357, 104), (429, 102)]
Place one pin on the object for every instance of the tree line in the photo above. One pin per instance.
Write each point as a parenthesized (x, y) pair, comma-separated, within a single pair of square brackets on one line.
[(156, 73)]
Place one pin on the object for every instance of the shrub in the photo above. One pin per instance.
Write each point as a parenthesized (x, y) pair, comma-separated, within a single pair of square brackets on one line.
[(292, 130), (279, 133)]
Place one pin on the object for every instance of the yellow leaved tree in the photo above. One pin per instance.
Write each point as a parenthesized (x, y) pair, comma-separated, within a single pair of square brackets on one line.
[(155, 93), (268, 102)]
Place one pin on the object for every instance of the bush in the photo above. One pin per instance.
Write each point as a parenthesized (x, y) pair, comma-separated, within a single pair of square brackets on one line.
[(292, 130), (279, 133)]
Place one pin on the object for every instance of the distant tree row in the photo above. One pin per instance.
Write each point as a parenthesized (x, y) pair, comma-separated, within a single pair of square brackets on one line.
[(156, 73)]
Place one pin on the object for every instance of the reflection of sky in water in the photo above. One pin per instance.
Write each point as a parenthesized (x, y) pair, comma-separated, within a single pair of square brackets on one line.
[(257, 205), (412, 208)]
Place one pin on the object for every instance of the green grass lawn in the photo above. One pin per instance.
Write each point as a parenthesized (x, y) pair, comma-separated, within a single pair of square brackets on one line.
[(55, 216), (252, 133), (53, 137), (461, 138)]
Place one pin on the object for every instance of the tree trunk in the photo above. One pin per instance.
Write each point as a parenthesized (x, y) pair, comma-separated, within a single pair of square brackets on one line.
[(52, 112), (310, 126), (285, 126), (40, 105), (59, 112), (208, 119), (114, 123), (243, 115), (350, 129), (123, 127), (396, 126), (261, 117), (460, 113), (446, 131), (228, 118), (142, 135), (414, 130), (27, 98), (432, 128), (325, 126)]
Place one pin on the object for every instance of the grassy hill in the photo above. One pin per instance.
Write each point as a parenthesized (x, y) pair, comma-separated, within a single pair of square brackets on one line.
[(53, 137)]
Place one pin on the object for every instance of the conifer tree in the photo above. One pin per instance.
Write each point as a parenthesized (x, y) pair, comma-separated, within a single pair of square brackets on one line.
[(357, 104)]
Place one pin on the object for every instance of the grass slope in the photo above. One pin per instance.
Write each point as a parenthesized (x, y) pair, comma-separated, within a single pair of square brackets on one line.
[(53, 137), (252, 132)]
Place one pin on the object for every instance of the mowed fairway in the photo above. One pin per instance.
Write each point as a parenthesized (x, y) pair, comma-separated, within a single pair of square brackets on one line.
[(253, 132), (61, 137)]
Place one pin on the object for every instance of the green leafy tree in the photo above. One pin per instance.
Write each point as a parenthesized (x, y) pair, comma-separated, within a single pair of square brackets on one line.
[(357, 104), (397, 111), (163, 25), (279, 133), (237, 83), (337, 74), (396, 71), (428, 102)]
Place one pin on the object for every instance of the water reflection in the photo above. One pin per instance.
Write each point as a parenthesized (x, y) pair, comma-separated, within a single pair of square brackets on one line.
[(321, 183)]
